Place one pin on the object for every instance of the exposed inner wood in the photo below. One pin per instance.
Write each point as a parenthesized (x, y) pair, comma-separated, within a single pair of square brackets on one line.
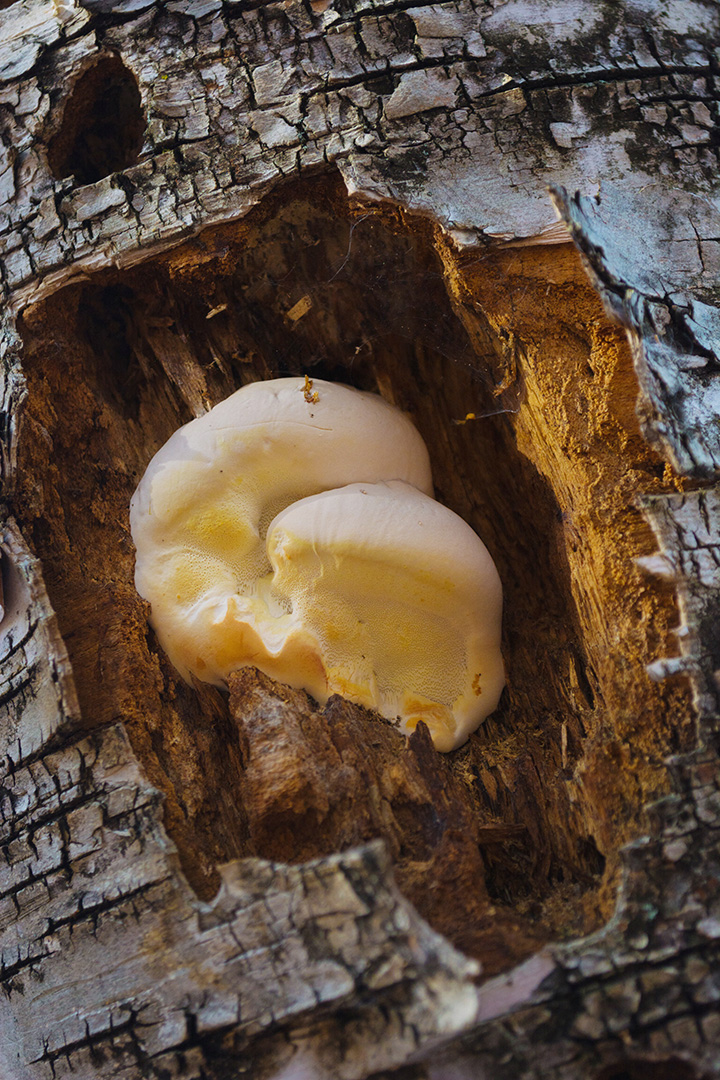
[(321, 779), (553, 783)]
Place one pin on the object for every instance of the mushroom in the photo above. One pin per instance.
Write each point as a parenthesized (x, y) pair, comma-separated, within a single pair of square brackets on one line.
[(296, 532)]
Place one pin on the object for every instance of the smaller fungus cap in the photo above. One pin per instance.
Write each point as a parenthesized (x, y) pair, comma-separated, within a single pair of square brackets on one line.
[(200, 513)]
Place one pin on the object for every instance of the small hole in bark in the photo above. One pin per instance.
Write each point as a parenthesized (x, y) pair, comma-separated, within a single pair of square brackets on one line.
[(669, 1069), (14, 595), (102, 124)]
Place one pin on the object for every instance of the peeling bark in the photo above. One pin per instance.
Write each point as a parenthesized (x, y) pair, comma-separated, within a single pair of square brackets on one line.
[(192, 885)]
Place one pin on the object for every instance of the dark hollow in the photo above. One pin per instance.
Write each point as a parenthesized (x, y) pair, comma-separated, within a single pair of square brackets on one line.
[(102, 125), (670, 1069)]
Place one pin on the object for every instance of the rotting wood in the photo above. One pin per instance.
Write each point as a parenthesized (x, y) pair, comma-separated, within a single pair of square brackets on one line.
[(462, 116), (318, 781)]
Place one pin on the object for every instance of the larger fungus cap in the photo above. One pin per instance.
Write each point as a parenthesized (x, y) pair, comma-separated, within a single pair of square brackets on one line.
[(296, 532), (403, 600)]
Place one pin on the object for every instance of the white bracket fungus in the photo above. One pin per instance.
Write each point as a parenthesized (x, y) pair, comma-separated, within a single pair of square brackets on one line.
[(293, 529)]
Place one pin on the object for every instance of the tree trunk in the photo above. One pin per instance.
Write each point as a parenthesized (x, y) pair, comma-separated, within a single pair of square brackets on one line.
[(504, 220)]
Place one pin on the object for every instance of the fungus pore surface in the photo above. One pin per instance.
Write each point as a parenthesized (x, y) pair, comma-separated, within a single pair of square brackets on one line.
[(292, 528)]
